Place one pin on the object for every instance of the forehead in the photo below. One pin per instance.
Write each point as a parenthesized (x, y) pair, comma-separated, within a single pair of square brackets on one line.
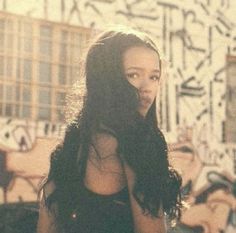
[(141, 56)]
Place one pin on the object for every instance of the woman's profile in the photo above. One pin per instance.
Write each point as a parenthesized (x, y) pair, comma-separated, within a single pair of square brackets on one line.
[(111, 172)]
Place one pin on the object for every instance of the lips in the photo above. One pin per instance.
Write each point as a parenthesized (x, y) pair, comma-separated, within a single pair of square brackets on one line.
[(145, 101)]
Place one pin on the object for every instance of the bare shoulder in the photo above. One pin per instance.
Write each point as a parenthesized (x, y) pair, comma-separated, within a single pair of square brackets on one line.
[(46, 221), (104, 171), (105, 143), (49, 188)]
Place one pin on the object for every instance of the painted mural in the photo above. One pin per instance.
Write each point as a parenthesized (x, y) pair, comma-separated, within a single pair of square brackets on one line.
[(195, 37)]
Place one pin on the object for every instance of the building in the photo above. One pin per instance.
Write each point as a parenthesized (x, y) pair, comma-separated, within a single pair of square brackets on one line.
[(39, 60)]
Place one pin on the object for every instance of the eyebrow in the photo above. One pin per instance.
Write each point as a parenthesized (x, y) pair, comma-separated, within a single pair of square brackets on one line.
[(139, 68)]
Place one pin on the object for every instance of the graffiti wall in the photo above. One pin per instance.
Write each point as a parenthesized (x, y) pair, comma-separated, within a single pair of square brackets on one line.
[(24, 157), (195, 38)]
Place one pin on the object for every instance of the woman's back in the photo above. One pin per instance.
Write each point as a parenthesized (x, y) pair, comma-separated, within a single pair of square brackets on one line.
[(103, 200)]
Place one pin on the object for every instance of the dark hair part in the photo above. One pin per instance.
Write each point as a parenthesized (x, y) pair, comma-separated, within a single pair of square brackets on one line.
[(112, 101)]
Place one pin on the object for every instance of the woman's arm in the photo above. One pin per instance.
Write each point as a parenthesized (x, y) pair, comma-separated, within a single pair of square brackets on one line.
[(46, 221), (143, 223)]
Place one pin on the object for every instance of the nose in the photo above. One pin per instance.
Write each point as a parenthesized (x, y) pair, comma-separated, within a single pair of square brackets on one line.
[(145, 85)]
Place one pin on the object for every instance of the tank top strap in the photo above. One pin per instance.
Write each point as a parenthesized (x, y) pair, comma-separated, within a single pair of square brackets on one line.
[(106, 129)]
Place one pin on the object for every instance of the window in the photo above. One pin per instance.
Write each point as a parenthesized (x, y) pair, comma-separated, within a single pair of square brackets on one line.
[(8, 110), (44, 113), (17, 91), (9, 26), (60, 99), (1, 66), (9, 66), (9, 93), (63, 53), (45, 48), (26, 111), (64, 36), (28, 47), (1, 92), (10, 41), (2, 24), (62, 75), (60, 115), (63, 46), (1, 41), (26, 94), (44, 96), (27, 75), (18, 69), (45, 31), (45, 45), (28, 29), (44, 72)]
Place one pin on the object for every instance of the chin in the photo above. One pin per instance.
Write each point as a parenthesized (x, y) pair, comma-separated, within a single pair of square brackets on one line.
[(143, 112)]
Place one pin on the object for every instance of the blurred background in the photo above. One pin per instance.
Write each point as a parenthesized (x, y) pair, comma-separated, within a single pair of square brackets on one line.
[(41, 44)]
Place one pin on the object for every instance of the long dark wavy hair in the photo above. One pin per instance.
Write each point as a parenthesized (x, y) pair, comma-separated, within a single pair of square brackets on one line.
[(111, 101)]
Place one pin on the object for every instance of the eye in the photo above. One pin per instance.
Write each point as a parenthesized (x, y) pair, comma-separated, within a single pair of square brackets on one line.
[(132, 75), (155, 78)]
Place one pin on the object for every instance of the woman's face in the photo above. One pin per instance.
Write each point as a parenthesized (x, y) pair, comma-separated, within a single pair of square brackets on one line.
[(142, 70)]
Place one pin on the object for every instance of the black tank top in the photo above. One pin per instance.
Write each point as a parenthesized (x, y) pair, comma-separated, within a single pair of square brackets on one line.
[(96, 213)]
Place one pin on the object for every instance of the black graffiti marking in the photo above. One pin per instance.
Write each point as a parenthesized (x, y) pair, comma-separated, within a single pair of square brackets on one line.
[(187, 41), (187, 89), (222, 98), (210, 45), (63, 10), (104, 1), (75, 9), (200, 50), (167, 5), (9, 121), (4, 5), (216, 76), (164, 31), (219, 30), (211, 102), (186, 15), (132, 15), (171, 48), (189, 13), (23, 143), (204, 8), (203, 112), (223, 23), (180, 73), (202, 62), (227, 3), (88, 4)]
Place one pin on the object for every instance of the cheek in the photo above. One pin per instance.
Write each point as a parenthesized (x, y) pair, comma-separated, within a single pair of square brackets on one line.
[(134, 83), (155, 90)]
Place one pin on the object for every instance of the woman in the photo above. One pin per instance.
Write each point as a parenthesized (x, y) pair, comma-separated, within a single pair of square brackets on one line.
[(111, 173)]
